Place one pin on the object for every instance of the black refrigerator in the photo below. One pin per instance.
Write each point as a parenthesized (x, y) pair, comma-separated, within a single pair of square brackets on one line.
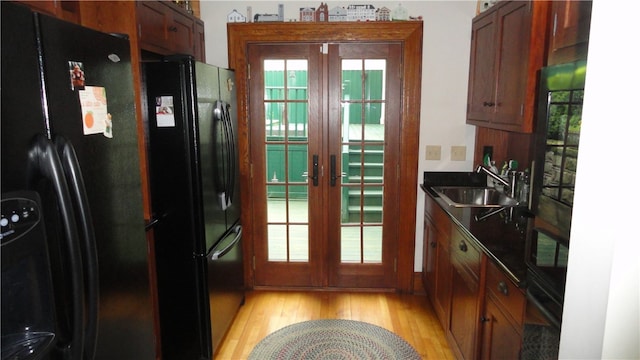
[(193, 163), (75, 274)]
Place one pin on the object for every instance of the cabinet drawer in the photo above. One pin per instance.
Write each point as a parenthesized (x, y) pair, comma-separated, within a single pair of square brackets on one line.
[(505, 292), (435, 213), (464, 254)]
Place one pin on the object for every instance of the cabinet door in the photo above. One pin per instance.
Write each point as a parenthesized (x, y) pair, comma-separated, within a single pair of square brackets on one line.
[(199, 51), (66, 10), (571, 21), (153, 21), (442, 301), (481, 97), (429, 260), (507, 50), (500, 339), (181, 32), (464, 300), (465, 293), (514, 33)]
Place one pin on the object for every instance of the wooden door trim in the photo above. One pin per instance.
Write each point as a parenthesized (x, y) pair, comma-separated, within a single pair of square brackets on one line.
[(409, 33)]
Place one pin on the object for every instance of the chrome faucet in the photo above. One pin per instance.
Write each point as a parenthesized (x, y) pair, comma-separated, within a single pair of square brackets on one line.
[(512, 175)]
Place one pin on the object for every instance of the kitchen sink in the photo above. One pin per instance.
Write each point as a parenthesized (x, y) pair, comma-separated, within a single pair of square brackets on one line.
[(464, 196)]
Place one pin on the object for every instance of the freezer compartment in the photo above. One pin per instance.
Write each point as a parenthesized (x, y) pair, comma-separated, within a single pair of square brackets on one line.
[(225, 283)]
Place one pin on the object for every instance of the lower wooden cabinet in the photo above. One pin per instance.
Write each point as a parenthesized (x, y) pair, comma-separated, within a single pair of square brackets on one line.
[(503, 316), (442, 297), (462, 327), (429, 260), (501, 338), (436, 262), (466, 262), (479, 307)]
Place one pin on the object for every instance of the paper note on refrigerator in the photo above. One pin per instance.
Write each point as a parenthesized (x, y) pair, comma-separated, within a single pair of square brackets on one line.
[(164, 112), (95, 118)]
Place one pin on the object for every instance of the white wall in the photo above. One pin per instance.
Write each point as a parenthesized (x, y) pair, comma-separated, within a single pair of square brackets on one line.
[(445, 69), (602, 316), (602, 302)]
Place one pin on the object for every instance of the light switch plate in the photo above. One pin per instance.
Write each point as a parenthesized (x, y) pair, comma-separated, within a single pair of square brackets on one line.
[(433, 152), (458, 153)]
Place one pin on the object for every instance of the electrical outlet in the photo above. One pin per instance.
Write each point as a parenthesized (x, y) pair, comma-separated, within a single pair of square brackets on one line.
[(458, 153), (433, 152)]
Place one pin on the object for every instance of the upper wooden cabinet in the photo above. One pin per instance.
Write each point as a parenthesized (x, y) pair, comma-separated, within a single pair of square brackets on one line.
[(165, 29), (66, 10), (570, 24), (507, 50), (160, 27), (199, 52)]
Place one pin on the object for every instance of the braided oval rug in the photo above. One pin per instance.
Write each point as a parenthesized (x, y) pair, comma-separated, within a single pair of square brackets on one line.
[(336, 339)]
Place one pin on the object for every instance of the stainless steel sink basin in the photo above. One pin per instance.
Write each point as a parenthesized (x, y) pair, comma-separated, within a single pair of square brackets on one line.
[(462, 196)]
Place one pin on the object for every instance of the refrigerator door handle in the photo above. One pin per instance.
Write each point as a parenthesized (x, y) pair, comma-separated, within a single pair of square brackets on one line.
[(151, 224), (220, 115), (217, 254), (71, 167), (227, 155), (45, 163), (155, 220), (232, 154)]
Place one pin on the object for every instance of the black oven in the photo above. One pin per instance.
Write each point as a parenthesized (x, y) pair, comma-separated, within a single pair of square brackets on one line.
[(546, 258)]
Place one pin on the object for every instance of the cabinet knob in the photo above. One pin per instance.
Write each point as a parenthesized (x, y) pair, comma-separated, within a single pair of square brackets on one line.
[(502, 287), (488, 103), (484, 319), (462, 246), (433, 244), (173, 29)]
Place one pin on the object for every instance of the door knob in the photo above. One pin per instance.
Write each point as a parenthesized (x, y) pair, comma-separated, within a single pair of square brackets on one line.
[(314, 170)]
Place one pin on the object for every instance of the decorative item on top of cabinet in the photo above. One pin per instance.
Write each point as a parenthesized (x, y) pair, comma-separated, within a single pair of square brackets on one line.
[(570, 24), (507, 49)]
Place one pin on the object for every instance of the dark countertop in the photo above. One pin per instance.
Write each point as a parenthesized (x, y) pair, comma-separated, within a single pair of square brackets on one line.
[(500, 236)]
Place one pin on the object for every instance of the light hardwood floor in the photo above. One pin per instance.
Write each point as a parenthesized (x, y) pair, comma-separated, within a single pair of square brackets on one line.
[(409, 316)]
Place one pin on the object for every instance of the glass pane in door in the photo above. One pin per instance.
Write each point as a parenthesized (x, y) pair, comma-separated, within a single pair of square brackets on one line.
[(362, 151), (286, 145)]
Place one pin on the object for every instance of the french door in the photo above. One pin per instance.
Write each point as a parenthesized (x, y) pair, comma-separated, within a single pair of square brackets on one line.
[(324, 150)]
